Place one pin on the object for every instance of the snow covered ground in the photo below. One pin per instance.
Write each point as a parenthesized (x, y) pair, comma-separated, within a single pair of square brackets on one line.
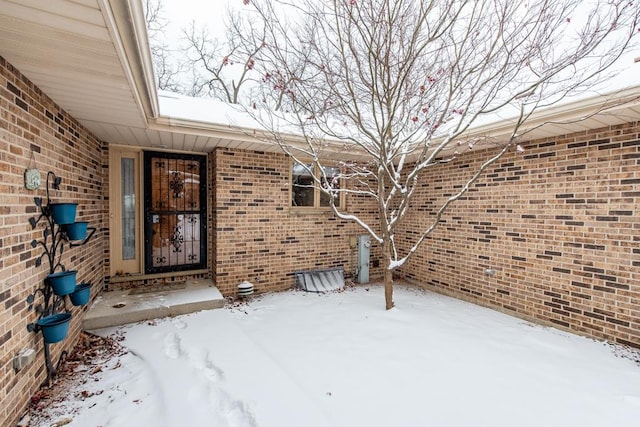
[(339, 359)]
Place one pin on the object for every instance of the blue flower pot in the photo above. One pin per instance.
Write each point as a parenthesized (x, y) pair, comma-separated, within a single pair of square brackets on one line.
[(63, 213), (55, 327), (63, 283), (80, 296), (76, 230)]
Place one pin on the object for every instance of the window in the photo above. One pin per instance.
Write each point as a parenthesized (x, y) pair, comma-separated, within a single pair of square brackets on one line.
[(304, 192), (128, 202), (333, 182)]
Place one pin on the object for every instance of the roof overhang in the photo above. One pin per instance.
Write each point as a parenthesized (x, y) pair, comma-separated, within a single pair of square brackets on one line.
[(597, 111), (92, 58), (84, 55)]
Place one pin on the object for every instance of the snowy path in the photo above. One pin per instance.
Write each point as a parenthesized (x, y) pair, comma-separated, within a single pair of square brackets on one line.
[(337, 360), (195, 388)]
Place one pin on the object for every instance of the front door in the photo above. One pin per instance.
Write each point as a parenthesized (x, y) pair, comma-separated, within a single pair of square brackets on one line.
[(174, 212)]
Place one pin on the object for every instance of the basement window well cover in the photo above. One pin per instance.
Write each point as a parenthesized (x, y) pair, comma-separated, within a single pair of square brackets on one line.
[(320, 280)]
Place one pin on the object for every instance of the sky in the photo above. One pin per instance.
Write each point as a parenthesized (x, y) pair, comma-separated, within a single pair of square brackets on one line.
[(180, 13)]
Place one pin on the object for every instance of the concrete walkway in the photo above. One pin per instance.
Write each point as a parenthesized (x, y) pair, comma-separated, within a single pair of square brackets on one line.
[(122, 307)]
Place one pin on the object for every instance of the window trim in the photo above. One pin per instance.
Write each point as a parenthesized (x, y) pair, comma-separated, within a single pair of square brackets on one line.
[(116, 263)]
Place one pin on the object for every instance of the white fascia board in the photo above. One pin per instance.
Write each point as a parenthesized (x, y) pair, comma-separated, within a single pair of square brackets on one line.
[(566, 113), (125, 22)]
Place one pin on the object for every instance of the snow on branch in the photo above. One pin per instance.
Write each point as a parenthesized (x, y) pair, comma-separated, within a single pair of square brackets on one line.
[(397, 88)]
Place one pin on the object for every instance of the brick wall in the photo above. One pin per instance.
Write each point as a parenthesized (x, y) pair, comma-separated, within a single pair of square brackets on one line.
[(257, 237), (31, 122), (559, 225), (116, 283)]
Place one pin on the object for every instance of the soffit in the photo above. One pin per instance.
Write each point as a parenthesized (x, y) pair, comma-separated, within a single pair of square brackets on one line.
[(65, 48)]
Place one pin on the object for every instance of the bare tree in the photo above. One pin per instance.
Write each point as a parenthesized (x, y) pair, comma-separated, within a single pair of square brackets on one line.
[(398, 84), (206, 62), (223, 66), (167, 65)]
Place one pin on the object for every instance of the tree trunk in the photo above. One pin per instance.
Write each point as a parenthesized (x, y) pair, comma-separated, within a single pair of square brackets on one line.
[(388, 288), (388, 273)]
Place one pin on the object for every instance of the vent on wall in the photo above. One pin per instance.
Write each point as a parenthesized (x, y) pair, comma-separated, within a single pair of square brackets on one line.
[(320, 280)]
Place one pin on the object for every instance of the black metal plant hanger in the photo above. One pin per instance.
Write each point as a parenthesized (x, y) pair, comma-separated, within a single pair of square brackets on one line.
[(53, 243)]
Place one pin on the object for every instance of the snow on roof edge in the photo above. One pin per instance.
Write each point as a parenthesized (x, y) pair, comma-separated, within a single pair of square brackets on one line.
[(204, 113)]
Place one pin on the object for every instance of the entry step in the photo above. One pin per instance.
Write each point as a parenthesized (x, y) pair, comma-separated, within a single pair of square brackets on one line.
[(117, 308)]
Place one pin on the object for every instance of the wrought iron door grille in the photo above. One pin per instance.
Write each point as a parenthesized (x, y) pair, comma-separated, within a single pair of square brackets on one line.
[(175, 212)]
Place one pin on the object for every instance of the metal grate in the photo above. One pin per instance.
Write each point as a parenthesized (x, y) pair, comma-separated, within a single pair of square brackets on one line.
[(174, 212), (320, 280)]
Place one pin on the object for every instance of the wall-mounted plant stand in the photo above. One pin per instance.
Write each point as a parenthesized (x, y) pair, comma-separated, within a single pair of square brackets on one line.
[(60, 229)]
